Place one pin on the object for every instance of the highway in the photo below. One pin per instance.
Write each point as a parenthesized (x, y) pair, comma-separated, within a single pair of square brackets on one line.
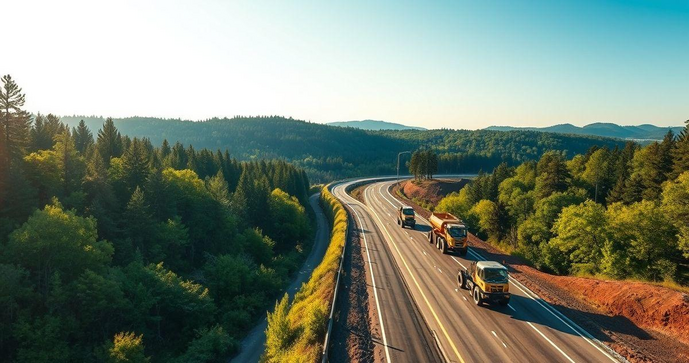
[(404, 264)]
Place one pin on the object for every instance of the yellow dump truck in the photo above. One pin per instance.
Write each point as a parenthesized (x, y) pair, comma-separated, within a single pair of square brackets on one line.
[(448, 233), (405, 216), (487, 281)]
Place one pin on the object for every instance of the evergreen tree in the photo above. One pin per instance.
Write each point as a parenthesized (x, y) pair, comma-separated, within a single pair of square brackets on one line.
[(680, 153), (83, 138), (109, 143), (14, 121), (138, 221), (135, 164)]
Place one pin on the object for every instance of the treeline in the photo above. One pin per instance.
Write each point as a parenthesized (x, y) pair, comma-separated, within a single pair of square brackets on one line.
[(423, 164), (620, 213), (115, 250), (329, 153)]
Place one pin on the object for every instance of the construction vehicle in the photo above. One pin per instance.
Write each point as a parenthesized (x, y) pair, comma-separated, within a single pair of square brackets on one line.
[(487, 281), (448, 233), (406, 216)]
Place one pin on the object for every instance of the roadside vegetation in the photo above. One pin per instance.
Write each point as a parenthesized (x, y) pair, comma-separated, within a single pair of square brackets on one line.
[(618, 213), (115, 250), (296, 331)]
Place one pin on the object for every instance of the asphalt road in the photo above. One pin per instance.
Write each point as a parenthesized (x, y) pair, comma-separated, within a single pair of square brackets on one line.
[(252, 346), (527, 330), (399, 330)]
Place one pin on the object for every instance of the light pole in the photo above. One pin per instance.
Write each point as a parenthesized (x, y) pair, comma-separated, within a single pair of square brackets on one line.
[(398, 164)]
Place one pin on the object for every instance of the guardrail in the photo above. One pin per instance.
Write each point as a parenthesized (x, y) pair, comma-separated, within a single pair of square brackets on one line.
[(328, 333)]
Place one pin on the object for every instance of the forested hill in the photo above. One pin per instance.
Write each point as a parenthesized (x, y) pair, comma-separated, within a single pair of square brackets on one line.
[(640, 132), (329, 153), (374, 125)]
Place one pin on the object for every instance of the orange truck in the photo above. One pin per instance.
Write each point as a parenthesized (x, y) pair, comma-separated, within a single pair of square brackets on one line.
[(448, 233)]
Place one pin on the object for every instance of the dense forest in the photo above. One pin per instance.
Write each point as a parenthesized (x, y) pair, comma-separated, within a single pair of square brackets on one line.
[(114, 250), (328, 153), (618, 213)]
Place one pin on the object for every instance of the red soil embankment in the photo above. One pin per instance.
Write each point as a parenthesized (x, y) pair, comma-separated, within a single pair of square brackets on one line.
[(432, 191)]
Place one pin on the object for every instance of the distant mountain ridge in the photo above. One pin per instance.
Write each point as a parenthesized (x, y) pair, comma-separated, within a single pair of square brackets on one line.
[(374, 125), (640, 132)]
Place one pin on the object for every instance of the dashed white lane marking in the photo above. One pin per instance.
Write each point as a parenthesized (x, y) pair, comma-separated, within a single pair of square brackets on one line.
[(441, 271), (424, 252), (465, 298)]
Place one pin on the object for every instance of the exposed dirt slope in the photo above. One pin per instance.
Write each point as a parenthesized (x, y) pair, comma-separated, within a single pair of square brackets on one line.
[(431, 191)]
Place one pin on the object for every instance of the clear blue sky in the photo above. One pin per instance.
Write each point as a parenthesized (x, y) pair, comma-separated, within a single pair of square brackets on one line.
[(456, 64)]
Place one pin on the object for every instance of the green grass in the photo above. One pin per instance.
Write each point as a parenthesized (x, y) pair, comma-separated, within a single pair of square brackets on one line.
[(296, 333)]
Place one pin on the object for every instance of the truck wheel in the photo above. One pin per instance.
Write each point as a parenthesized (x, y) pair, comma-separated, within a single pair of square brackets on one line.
[(399, 222), (430, 237), (477, 295), (443, 246), (437, 242), (461, 280)]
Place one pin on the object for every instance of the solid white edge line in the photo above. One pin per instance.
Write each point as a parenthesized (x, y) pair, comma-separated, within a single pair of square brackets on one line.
[(550, 341), (373, 283)]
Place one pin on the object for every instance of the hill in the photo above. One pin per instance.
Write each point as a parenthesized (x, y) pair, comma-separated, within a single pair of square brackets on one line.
[(640, 132), (374, 125), (329, 153)]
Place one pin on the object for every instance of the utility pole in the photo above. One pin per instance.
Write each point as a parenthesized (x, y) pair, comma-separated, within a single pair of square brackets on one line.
[(398, 164)]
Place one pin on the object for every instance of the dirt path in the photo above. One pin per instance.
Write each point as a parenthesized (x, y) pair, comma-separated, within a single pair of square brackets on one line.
[(252, 346)]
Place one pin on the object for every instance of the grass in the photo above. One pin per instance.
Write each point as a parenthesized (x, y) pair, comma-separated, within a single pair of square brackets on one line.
[(295, 333)]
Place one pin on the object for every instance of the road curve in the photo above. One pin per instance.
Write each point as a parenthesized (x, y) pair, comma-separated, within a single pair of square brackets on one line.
[(527, 330), (252, 346), (399, 329)]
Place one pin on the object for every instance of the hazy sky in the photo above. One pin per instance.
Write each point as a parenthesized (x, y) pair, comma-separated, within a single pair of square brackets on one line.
[(437, 64)]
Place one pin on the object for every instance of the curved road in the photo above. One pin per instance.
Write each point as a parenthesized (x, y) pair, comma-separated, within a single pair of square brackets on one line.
[(252, 346), (527, 330)]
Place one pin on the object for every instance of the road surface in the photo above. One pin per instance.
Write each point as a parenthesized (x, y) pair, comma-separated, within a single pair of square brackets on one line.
[(252, 346), (527, 330)]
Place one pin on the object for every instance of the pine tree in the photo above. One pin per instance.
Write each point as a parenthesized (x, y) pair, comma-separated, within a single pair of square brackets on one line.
[(83, 138), (72, 168), (665, 151), (135, 164), (681, 153), (109, 144), (14, 121), (138, 221)]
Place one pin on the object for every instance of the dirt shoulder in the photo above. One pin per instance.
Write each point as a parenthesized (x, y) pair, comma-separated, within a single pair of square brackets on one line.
[(353, 332), (641, 322)]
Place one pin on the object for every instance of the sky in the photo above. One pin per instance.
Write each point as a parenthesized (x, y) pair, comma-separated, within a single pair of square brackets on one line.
[(452, 64)]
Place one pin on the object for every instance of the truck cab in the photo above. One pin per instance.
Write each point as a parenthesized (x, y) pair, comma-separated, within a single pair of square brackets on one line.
[(487, 282), (406, 216)]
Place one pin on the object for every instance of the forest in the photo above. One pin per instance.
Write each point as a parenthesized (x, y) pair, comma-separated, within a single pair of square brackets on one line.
[(618, 213), (116, 250), (329, 153)]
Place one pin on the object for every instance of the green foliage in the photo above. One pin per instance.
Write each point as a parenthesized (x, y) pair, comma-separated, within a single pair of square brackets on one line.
[(57, 241), (295, 333), (138, 247), (211, 345), (127, 347), (423, 164), (548, 212)]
